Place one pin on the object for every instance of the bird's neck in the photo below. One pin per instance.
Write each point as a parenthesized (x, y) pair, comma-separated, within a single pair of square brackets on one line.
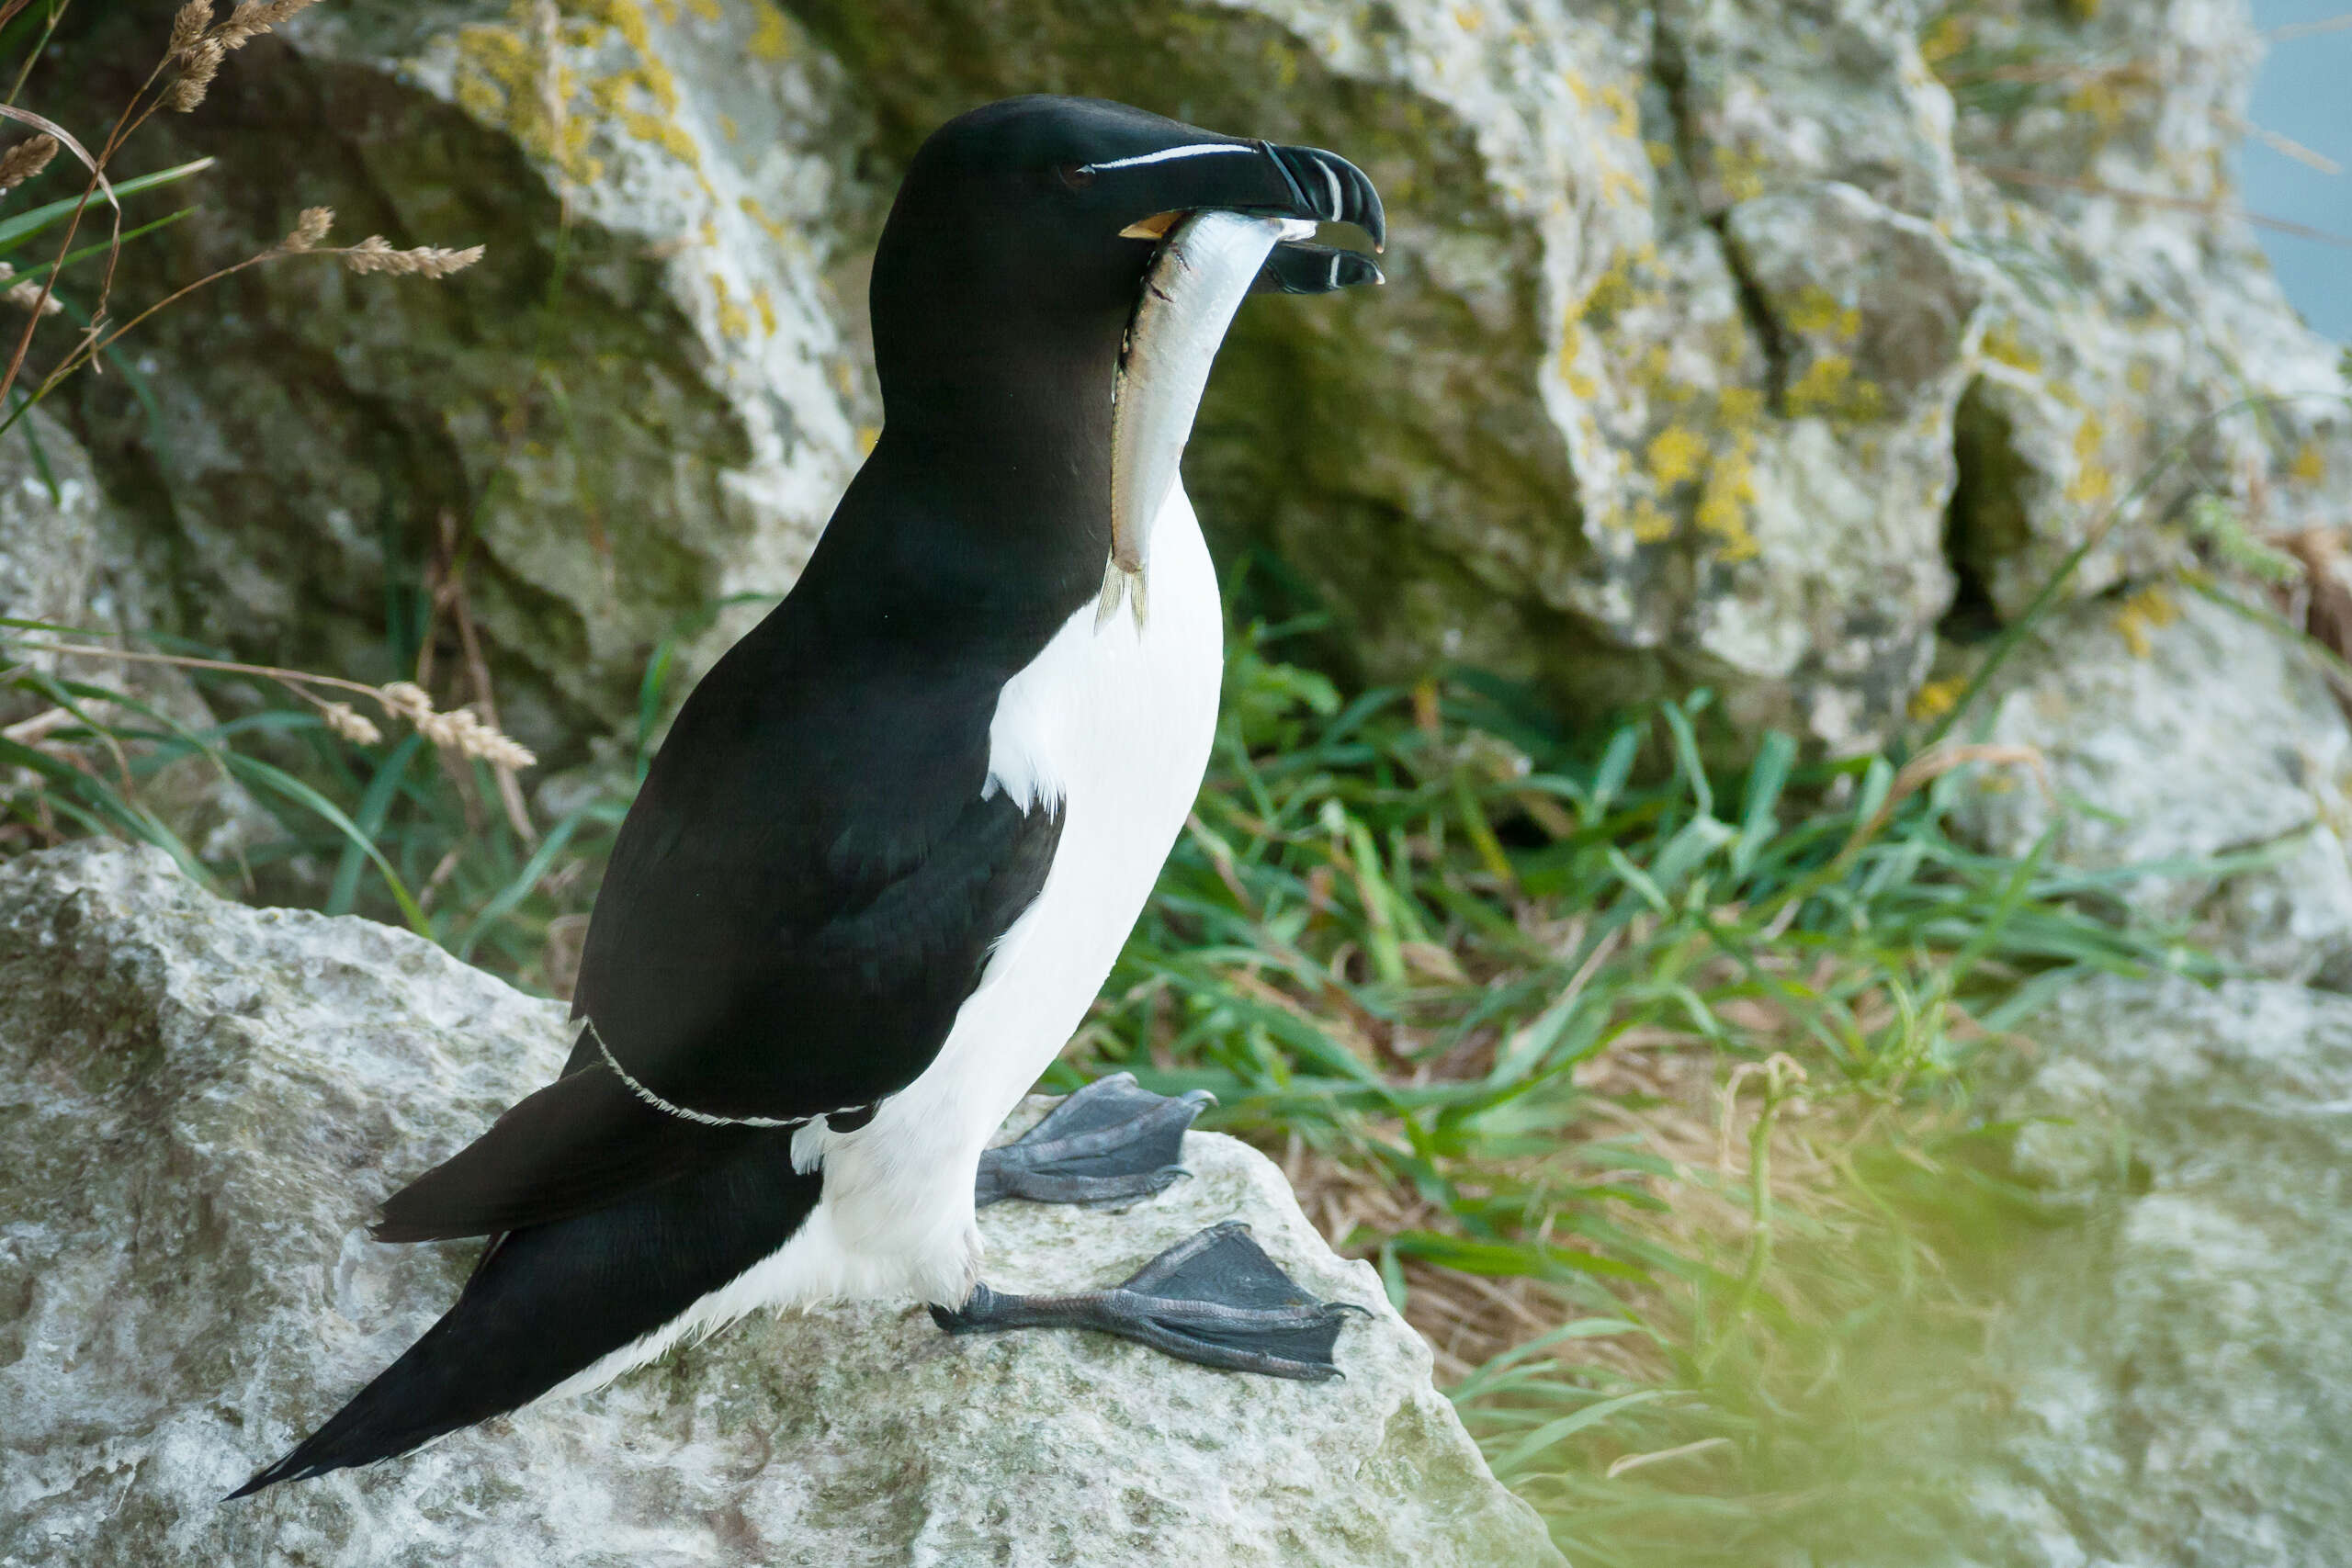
[(1017, 427)]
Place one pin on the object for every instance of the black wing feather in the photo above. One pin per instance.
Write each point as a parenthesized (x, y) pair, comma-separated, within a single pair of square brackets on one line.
[(804, 892), (547, 1302)]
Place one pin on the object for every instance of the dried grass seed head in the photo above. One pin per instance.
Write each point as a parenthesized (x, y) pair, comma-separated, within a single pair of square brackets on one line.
[(254, 18), (25, 159), (375, 254), (28, 295), (198, 66), (308, 231), (406, 698), (190, 24), (351, 723), (463, 732), (460, 730)]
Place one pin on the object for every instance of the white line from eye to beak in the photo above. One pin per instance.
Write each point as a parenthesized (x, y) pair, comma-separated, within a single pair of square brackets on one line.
[(1168, 154)]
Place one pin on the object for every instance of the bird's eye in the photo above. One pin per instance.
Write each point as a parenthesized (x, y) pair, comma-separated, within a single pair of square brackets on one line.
[(1077, 176)]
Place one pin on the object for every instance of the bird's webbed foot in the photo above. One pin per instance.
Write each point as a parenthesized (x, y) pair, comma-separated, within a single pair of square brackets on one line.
[(1217, 1299), (1109, 1143)]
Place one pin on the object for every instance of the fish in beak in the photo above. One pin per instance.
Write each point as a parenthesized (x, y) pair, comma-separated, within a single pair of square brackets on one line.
[(1256, 234)]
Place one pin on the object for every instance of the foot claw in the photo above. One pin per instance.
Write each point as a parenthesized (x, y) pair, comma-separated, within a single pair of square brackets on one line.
[(1111, 1142)]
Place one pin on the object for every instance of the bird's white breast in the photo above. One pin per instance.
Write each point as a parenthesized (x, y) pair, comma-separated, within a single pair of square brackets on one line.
[(1113, 723)]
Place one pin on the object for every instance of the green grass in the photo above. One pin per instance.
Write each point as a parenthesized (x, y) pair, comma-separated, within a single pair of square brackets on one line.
[(1511, 1003), (1485, 994)]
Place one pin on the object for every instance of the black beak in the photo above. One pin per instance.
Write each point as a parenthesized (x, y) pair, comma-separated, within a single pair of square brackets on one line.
[(1326, 188), (1261, 178)]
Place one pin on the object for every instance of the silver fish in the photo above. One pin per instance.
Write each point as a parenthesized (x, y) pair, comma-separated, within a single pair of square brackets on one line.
[(1195, 282)]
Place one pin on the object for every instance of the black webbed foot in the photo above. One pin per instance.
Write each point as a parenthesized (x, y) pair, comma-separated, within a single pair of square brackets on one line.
[(1217, 1299), (1108, 1143)]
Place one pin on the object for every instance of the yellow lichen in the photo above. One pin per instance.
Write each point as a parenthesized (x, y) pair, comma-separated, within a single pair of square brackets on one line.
[(1281, 64), (759, 215), (1739, 407), (728, 128), (2142, 615), (1649, 525), (2310, 465), (1816, 311), (1674, 456), (708, 10), (1611, 292), (1661, 153), (667, 134), (1625, 117), (508, 76), (1580, 385), (1935, 699), (2003, 346), (764, 303), (1739, 171), (2092, 483), (1945, 38), (1621, 184), (771, 38), (733, 319), (1829, 387), (1729, 496)]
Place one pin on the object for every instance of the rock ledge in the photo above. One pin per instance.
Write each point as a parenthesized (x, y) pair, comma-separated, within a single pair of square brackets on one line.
[(201, 1100)]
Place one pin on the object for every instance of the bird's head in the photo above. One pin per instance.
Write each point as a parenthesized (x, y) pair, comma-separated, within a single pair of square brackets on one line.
[(1018, 251)]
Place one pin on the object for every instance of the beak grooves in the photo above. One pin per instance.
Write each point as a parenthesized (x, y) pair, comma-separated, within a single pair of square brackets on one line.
[(1327, 188)]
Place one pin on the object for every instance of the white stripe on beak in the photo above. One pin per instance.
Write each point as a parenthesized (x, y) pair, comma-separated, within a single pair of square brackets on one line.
[(1167, 155)]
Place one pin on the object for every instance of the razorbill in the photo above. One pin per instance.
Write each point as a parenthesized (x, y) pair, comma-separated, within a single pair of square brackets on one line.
[(898, 835)]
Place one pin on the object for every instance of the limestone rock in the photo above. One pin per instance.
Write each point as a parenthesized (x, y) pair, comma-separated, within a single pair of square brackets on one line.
[(66, 559), (645, 400), (201, 1100), (2123, 314), (50, 525), (1712, 329), (2165, 1372), (2179, 731)]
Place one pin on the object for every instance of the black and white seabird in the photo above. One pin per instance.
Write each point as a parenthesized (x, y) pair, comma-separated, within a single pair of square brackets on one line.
[(898, 835)]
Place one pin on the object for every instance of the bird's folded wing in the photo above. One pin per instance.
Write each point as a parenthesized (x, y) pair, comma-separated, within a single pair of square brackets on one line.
[(721, 1008), (577, 1146)]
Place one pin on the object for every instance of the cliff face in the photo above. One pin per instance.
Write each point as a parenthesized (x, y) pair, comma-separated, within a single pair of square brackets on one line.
[(1726, 343)]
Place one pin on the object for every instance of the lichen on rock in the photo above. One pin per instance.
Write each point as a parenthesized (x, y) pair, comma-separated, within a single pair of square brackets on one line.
[(1723, 345), (2196, 753)]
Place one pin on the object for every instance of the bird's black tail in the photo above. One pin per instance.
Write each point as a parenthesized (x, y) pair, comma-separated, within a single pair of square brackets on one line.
[(549, 1301)]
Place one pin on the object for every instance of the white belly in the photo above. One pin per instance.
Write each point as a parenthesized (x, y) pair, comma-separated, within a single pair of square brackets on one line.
[(1115, 722)]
